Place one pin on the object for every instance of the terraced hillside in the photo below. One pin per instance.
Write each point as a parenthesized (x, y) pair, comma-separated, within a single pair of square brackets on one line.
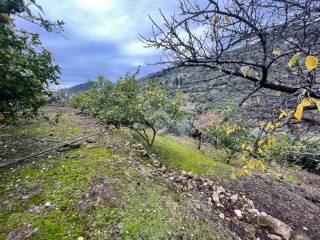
[(110, 187), (204, 87)]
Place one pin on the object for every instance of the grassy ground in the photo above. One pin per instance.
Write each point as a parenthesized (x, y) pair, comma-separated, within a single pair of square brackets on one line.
[(26, 138), (187, 157), (105, 189), (98, 192)]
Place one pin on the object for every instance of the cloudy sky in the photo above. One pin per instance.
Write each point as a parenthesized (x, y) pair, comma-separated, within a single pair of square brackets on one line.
[(101, 36)]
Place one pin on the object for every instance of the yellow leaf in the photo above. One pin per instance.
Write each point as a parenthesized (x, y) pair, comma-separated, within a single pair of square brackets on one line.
[(298, 113), (260, 143), (283, 114), (306, 102), (228, 20), (271, 141), (244, 172), (318, 105), (251, 165), (311, 62), (277, 52), (244, 70), (271, 126), (277, 125), (260, 166), (293, 60), (230, 131), (80, 238)]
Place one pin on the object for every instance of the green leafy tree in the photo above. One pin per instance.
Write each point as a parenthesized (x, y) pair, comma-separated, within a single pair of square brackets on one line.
[(143, 108), (26, 68)]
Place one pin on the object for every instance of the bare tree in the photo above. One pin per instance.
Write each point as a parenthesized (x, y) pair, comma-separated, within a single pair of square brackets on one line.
[(253, 40)]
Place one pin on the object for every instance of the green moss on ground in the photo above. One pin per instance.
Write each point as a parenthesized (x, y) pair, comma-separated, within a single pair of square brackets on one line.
[(48, 192), (42, 133), (188, 158), (52, 193), (145, 208), (68, 127), (58, 181)]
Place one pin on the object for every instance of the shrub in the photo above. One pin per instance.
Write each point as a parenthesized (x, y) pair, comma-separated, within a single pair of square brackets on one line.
[(143, 108), (289, 150), (231, 137)]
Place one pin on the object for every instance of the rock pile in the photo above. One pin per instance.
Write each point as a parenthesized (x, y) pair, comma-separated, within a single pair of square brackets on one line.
[(235, 208)]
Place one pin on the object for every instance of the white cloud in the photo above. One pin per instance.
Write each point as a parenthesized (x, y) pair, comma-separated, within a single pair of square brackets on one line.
[(101, 36), (137, 48), (97, 6), (117, 21)]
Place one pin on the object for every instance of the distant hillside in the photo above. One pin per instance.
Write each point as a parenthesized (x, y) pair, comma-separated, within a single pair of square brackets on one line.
[(209, 88), (80, 87), (204, 87)]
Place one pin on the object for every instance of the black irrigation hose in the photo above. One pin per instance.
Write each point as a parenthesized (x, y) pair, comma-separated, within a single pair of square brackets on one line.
[(35, 155)]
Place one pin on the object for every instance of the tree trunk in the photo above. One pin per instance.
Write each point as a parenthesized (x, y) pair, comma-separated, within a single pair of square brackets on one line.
[(199, 140)]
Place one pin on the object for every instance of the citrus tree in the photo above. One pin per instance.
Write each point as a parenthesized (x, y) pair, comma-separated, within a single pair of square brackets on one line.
[(143, 108), (26, 68)]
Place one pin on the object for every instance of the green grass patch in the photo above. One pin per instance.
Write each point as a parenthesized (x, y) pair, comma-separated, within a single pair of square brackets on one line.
[(188, 158), (147, 209), (66, 129), (61, 182)]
